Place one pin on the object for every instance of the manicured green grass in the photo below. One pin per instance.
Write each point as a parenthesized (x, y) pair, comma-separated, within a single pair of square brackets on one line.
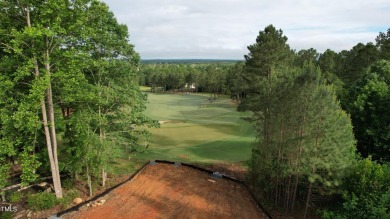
[(144, 88), (193, 129)]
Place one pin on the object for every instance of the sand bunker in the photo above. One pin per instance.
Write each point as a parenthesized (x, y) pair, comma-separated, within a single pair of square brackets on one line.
[(171, 121)]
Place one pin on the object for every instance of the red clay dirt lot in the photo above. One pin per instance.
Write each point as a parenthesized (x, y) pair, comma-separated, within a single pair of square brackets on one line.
[(167, 191)]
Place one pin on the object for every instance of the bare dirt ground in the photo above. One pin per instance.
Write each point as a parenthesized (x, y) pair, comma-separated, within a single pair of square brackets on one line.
[(167, 191), (234, 170)]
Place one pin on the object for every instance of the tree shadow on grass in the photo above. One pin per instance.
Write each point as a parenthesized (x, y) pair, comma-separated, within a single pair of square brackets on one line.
[(182, 99), (159, 138), (223, 150)]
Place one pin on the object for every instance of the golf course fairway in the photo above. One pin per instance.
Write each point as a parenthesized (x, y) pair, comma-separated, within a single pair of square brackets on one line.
[(195, 129)]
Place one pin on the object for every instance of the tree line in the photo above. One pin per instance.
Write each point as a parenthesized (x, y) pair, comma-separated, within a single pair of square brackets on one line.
[(307, 110), (215, 78), (69, 93), (185, 77)]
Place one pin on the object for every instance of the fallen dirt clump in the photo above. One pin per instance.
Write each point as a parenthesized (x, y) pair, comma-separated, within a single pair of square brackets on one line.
[(169, 191), (234, 170)]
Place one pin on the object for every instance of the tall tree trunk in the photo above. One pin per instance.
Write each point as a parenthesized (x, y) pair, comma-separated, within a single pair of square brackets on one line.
[(279, 179), (52, 156), (104, 177), (281, 160), (104, 174), (301, 132), (313, 168), (267, 116), (276, 191), (89, 181), (296, 180), (287, 200), (54, 170), (101, 133), (53, 135), (308, 200)]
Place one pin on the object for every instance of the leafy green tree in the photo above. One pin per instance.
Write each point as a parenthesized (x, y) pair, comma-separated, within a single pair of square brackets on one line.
[(235, 82), (193, 77), (35, 40), (110, 111), (366, 192), (214, 79), (370, 114), (74, 59), (8, 105)]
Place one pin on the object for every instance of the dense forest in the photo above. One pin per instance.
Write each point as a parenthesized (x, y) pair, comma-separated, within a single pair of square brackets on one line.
[(70, 98)]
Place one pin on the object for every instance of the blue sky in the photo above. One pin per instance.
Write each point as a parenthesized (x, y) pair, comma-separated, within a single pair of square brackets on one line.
[(222, 29)]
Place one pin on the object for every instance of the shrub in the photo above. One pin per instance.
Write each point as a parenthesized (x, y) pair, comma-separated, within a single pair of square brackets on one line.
[(67, 183), (15, 197), (366, 193), (41, 201), (69, 195), (6, 215), (332, 215)]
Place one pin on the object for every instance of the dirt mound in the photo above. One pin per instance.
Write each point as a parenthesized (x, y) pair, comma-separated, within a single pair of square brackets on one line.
[(169, 191)]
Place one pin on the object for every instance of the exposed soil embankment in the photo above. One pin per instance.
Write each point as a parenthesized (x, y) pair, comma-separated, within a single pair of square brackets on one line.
[(169, 191)]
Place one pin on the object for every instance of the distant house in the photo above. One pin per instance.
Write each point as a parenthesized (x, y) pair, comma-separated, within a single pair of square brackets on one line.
[(190, 86)]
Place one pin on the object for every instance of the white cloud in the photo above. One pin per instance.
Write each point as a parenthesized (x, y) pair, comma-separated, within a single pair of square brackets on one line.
[(223, 28)]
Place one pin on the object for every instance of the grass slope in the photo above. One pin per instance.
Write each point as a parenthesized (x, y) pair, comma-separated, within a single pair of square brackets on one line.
[(193, 129)]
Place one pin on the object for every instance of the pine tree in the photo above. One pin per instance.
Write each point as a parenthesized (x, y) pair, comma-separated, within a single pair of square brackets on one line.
[(303, 136)]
